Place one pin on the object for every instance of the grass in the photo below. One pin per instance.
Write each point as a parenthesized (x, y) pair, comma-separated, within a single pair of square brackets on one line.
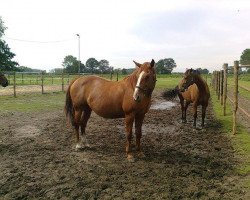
[(241, 141), (32, 102), (242, 92)]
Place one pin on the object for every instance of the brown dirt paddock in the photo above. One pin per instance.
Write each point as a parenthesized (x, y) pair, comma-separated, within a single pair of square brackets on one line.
[(38, 160)]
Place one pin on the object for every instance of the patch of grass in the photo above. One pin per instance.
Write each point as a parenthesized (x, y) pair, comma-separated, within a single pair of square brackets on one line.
[(32, 102), (167, 82), (242, 91), (241, 141)]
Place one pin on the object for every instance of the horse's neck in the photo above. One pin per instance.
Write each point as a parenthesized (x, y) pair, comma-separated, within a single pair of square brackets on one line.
[(200, 84), (131, 79)]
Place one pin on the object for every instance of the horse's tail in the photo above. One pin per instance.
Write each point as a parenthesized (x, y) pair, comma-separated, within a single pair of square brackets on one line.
[(68, 108), (170, 94)]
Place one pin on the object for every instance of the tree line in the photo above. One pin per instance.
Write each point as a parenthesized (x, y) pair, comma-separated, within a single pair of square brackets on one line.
[(93, 66)]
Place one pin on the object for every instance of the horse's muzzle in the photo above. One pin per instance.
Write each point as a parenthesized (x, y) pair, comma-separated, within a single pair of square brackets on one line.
[(5, 84), (137, 98)]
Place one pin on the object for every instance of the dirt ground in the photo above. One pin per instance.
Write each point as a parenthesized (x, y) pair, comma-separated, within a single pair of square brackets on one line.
[(38, 159)]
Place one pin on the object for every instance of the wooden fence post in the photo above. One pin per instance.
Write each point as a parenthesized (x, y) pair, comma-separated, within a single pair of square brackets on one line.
[(22, 79), (62, 82), (42, 82), (221, 86), (117, 75), (218, 85), (236, 69), (111, 75), (216, 80), (225, 66), (14, 84)]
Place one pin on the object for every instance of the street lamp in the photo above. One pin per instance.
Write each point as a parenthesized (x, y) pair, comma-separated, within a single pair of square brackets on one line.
[(79, 52)]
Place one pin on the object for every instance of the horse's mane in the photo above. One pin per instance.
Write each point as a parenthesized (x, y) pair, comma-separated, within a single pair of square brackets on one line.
[(192, 71), (201, 83)]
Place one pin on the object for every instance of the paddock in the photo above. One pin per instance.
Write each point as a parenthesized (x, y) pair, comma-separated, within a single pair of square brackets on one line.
[(38, 158)]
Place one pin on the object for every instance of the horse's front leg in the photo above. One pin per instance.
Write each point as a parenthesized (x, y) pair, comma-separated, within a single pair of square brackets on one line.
[(185, 110), (138, 133), (195, 113), (182, 111), (129, 120)]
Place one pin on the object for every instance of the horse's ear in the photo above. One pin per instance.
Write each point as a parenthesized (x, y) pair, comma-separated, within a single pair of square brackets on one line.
[(152, 64), (137, 64)]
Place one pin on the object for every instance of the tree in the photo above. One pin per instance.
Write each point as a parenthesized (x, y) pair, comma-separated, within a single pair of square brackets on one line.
[(2, 27), (245, 57), (124, 71), (104, 66), (6, 56), (71, 64), (165, 66), (92, 65), (28, 69), (203, 71)]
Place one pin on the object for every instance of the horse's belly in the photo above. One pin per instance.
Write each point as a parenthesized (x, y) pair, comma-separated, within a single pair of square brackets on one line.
[(107, 110), (110, 115)]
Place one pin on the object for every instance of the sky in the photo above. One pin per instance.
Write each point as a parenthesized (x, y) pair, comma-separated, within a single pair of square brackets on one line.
[(195, 33)]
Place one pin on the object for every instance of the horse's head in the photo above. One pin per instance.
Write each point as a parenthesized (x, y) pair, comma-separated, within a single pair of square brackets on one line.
[(146, 79), (189, 78), (3, 80)]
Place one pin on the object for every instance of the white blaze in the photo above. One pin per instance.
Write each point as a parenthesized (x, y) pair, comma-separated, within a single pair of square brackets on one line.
[(138, 85)]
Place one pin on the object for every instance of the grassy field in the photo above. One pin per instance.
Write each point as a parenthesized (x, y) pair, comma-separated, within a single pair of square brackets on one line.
[(241, 140)]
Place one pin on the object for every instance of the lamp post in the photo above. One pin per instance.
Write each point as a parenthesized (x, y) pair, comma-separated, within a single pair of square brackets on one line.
[(79, 52)]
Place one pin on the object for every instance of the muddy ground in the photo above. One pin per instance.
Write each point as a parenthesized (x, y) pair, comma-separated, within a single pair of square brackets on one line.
[(38, 160)]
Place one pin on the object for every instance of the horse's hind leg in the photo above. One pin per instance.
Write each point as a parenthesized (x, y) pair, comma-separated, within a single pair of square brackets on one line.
[(77, 121), (85, 117), (204, 107)]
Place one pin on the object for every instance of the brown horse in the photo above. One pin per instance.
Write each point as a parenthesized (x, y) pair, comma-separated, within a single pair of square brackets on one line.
[(193, 89), (3, 80), (129, 98)]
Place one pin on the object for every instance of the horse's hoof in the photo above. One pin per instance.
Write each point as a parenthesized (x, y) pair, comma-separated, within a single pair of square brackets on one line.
[(184, 121), (141, 155), (79, 147), (130, 158), (87, 145)]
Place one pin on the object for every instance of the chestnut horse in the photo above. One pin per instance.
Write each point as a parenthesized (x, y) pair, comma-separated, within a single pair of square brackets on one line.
[(129, 98), (3, 80), (191, 89)]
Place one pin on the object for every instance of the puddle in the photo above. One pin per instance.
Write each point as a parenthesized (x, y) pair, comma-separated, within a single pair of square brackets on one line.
[(27, 131), (162, 105)]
